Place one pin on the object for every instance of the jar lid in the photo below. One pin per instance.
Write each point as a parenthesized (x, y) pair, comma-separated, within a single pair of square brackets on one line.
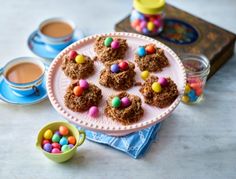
[(149, 6)]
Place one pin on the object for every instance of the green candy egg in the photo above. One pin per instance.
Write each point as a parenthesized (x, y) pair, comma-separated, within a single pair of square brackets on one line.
[(116, 102), (56, 138), (65, 148), (108, 41)]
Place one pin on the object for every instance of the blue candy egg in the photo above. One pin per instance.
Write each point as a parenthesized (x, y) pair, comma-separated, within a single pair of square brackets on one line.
[(192, 96), (141, 51), (137, 15), (145, 31), (115, 68), (63, 141)]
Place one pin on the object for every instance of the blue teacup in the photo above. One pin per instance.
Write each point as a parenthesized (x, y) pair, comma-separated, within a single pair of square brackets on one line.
[(24, 89), (55, 43)]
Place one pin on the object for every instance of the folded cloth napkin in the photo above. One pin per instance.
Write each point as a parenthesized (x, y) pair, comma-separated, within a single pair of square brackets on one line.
[(134, 144)]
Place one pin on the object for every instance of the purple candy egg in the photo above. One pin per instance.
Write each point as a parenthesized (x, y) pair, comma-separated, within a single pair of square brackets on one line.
[(71, 146), (58, 133), (56, 151), (145, 30), (163, 81), (115, 44), (143, 24), (125, 102), (93, 111), (83, 84), (47, 147), (115, 68)]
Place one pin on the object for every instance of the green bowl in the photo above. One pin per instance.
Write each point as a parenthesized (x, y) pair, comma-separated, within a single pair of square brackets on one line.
[(62, 157)]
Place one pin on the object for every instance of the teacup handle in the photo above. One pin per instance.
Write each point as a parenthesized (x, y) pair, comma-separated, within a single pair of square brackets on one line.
[(82, 138), (37, 39), (36, 90)]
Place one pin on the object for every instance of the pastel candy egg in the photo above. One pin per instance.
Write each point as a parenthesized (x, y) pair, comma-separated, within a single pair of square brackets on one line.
[(56, 151), (56, 138), (45, 141), (196, 85), (71, 146), (156, 87), (48, 134), (150, 49), (115, 44), (83, 84), (185, 99), (138, 29), (125, 102), (56, 145), (65, 148), (150, 26), (163, 81), (123, 65), (137, 15), (141, 51), (143, 24), (93, 111), (58, 133), (115, 68), (63, 141), (63, 130), (192, 94), (187, 88), (47, 147), (72, 54), (145, 30), (193, 98), (108, 41), (135, 23), (156, 22), (116, 102), (71, 140), (78, 90), (199, 91), (79, 59), (144, 74)]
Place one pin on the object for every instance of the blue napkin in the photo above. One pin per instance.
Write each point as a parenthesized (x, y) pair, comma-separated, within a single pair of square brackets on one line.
[(134, 144)]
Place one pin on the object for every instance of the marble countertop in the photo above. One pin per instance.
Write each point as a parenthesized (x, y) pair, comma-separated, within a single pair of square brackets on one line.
[(195, 142)]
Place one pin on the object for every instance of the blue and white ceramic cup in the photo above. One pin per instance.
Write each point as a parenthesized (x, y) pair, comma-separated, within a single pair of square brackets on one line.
[(55, 43), (24, 89)]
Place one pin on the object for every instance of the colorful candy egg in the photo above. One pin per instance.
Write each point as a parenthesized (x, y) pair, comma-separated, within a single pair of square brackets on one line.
[(150, 49), (135, 23), (63, 141), (56, 138), (48, 134), (65, 148), (47, 147), (187, 88), (108, 41), (58, 133), (72, 54), (123, 65), (145, 30), (71, 146), (78, 90), (79, 59), (163, 81), (63, 130), (56, 145), (150, 26), (115, 68), (56, 151), (196, 85), (141, 51), (143, 24), (83, 84), (115, 44), (45, 141), (116, 102), (125, 102), (71, 140), (156, 87), (199, 91), (93, 111), (185, 98), (144, 74)]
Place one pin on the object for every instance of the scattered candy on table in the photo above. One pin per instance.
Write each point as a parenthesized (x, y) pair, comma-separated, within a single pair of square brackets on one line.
[(144, 74), (116, 102), (59, 141), (79, 59), (93, 111), (109, 42)]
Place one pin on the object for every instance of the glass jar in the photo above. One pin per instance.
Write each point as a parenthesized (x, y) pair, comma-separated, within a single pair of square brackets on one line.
[(147, 16), (197, 69)]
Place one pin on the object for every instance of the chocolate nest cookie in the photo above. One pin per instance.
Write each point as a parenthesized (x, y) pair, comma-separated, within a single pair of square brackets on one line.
[(110, 48), (161, 94), (79, 99), (77, 67), (118, 75), (151, 58), (124, 108)]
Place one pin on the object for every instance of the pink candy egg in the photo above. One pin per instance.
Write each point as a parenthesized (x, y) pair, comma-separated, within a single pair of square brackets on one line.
[(93, 111), (56, 145), (163, 81), (56, 151), (143, 24), (72, 54), (83, 84), (115, 44), (125, 102)]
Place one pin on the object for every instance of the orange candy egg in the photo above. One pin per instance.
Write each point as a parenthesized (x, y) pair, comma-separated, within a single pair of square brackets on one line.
[(71, 140), (196, 85), (63, 130), (78, 91), (199, 91), (150, 49), (135, 23)]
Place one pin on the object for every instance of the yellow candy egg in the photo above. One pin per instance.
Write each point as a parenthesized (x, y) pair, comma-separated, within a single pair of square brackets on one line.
[(48, 134), (144, 74), (156, 87), (187, 89), (185, 99), (79, 59), (150, 26)]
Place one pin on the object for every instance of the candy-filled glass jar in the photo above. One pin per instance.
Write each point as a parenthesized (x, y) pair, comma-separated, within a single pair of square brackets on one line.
[(147, 16), (197, 69)]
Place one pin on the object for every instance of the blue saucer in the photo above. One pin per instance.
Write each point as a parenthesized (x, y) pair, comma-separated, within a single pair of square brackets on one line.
[(43, 51), (8, 96)]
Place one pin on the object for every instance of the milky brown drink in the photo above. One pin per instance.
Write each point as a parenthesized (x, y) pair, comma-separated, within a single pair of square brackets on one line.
[(57, 29), (24, 73)]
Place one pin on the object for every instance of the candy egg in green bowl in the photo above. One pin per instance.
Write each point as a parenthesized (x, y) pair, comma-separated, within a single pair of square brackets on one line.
[(59, 141)]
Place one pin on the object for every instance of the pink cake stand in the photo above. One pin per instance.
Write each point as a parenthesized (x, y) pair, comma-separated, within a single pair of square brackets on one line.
[(57, 83)]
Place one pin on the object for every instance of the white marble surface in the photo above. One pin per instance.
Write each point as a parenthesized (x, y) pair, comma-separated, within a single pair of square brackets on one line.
[(195, 142)]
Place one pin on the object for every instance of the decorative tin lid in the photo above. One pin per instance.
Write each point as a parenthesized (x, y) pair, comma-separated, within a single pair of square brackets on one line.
[(149, 6)]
